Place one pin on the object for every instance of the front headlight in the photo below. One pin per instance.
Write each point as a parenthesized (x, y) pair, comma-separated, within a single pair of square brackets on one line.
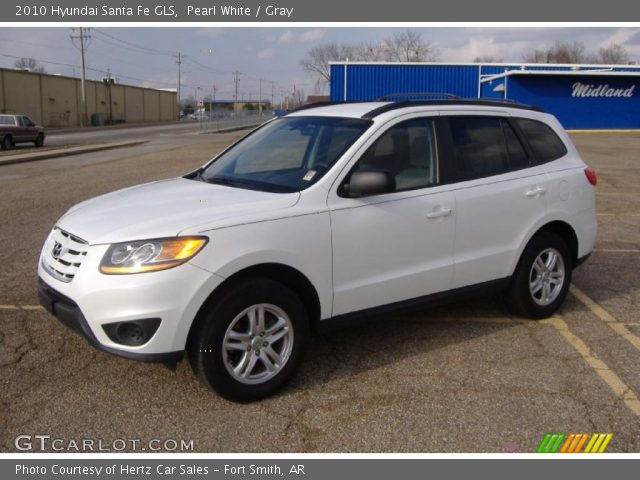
[(150, 255)]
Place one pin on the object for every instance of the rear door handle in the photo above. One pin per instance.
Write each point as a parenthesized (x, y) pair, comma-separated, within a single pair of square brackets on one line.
[(439, 213), (536, 192)]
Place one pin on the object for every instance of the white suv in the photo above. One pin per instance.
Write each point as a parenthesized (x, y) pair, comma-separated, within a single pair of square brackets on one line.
[(327, 212)]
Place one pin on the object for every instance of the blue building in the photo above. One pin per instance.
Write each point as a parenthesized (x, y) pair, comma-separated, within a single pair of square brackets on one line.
[(581, 96)]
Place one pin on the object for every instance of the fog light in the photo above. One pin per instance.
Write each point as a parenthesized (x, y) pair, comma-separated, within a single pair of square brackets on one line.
[(133, 333)]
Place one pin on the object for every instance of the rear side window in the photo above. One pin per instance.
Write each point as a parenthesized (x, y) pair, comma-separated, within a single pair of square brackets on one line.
[(485, 146), (6, 120), (544, 143)]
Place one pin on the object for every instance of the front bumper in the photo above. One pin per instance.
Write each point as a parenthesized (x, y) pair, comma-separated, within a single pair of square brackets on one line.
[(70, 315), (92, 301)]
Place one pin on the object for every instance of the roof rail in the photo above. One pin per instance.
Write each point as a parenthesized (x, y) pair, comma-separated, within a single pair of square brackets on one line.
[(389, 97), (325, 103), (461, 101)]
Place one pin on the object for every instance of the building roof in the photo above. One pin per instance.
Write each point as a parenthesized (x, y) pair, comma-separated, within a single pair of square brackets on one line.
[(582, 73), (590, 66)]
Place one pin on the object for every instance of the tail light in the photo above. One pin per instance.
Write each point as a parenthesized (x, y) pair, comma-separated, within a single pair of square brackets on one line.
[(591, 175)]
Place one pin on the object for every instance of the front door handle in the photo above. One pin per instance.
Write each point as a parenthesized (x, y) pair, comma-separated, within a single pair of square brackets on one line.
[(439, 213), (536, 192)]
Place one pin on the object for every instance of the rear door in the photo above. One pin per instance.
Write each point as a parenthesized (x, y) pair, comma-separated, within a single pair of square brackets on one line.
[(21, 130), (499, 194), (30, 132)]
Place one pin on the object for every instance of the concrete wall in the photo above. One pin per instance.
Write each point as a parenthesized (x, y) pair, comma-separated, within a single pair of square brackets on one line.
[(134, 105), (60, 107), (55, 101)]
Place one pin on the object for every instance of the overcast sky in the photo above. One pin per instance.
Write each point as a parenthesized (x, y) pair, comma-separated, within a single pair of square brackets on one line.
[(272, 54)]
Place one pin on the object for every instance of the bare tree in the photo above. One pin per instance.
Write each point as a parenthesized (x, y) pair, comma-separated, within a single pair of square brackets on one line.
[(576, 52), (561, 52), (487, 59), (408, 46), (536, 56), (370, 52), (403, 47), (29, 63), (318, 58), (614, 54)]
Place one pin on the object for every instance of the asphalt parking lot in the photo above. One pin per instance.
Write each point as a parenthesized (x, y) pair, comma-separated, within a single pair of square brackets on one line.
[(462, 378)]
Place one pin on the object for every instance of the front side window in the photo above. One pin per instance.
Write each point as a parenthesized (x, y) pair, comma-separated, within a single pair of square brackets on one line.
[(544, 143), (286, 155), (407, 151)]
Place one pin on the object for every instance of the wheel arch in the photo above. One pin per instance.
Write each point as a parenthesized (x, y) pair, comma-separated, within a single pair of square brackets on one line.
[(565, 231), (285, 274)]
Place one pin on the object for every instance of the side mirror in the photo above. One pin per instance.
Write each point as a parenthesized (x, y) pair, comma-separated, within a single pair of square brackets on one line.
[(364, 183)]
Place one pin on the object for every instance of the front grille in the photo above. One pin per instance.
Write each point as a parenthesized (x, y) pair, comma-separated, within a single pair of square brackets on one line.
[(63, 254)]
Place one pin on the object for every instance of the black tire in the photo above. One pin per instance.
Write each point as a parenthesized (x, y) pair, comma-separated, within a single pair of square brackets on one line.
[(6, 143), (205, 349), (39, 140), (520, 298)]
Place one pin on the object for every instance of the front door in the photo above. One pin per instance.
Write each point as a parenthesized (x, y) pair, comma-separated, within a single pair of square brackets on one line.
[(398, 245)]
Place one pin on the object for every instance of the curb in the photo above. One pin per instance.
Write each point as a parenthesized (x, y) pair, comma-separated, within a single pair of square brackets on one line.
[(119, 126), (65, 152)]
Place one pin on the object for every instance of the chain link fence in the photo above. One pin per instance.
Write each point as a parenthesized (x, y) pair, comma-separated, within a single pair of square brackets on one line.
[(223, 119)]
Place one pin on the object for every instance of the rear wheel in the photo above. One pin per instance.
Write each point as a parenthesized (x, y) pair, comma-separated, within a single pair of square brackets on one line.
[(252, 340), (6, 143), (541, 281), (39, 140)]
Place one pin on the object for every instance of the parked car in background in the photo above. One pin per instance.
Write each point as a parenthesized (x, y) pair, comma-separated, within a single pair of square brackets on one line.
[(19, 129)]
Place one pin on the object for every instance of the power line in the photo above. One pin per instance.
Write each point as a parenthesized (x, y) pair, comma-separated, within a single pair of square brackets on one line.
[(135, 45), (204, 67)]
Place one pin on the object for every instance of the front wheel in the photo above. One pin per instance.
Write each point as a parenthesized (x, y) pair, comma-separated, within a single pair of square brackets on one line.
[(251, 341), (541, 280)]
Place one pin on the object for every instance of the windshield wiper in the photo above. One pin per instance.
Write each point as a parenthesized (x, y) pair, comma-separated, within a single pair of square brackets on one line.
[(232, 182)]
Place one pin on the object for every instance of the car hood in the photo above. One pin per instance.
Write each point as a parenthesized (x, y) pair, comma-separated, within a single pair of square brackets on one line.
[(166, 208)]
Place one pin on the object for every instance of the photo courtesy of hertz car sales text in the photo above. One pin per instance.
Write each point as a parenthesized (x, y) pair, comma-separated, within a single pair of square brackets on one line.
[(328, 212)]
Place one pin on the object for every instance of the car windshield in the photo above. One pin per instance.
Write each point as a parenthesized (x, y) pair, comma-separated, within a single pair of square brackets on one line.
[(286, 155)]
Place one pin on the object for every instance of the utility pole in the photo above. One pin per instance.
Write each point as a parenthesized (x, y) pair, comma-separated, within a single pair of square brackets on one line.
[(236, 79), (82, 36), (213, 100), (260, 98), (179, 57), (110, 102), (273, 84)]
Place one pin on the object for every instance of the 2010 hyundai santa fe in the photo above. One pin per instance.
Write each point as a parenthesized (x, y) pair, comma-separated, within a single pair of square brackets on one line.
[(327, 212)]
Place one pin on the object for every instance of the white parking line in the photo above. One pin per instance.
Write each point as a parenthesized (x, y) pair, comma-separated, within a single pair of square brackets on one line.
[(621, 214), (617, 250), (621, 389), (21, 307), (606, 317)]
